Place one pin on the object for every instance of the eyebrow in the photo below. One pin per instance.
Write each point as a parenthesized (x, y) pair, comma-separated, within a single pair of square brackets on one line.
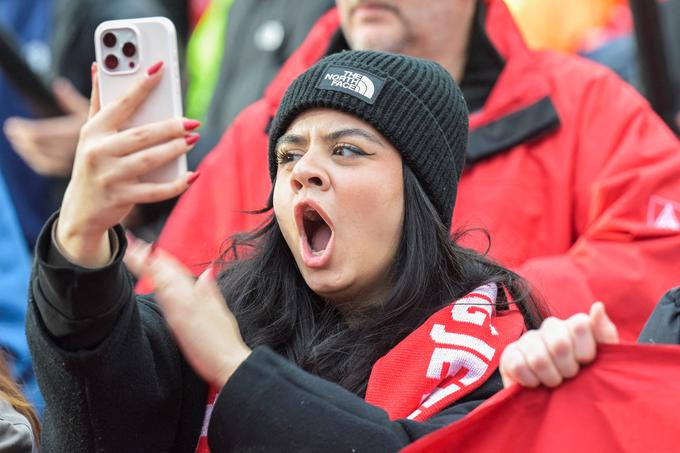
[(342, 133), (291, 139), (295, 139)]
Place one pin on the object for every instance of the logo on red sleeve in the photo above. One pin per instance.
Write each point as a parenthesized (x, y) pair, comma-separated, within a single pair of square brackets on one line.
[(663, 214)]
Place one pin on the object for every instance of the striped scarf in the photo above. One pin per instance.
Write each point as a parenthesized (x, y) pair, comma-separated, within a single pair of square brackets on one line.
[(450, 355)]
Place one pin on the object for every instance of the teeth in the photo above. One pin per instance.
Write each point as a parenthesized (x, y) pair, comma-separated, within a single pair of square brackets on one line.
[(311, 214)]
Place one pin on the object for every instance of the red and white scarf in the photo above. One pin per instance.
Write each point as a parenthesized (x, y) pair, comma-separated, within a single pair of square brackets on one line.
[(450, 355)]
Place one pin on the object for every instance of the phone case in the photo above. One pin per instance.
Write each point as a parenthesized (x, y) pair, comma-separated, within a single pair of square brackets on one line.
[(156, 41)]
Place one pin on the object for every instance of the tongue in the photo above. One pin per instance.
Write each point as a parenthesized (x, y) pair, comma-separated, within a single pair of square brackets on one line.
[(320, 238)]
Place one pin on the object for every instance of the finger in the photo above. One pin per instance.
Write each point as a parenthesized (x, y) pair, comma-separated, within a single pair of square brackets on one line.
[(515, 369), (604, 330), (118, 112), (43, 164), (95, 100), (22, 133), (582, 337), (69, 98), (45, 132), (539, 359), (142, 162), (136, 138), (50, 165), (207, 287), (206, 277), (137, 257), (558, 341), (173, 284), (153, 192), (16, 131)]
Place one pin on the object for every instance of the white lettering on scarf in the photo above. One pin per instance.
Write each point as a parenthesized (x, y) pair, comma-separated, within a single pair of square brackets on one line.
[(475, 308)]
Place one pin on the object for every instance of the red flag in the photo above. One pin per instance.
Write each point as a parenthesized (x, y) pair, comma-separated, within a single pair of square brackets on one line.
[(627, 401)]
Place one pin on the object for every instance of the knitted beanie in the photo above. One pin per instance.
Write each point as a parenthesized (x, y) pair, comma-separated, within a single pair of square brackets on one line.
[(413, 103)]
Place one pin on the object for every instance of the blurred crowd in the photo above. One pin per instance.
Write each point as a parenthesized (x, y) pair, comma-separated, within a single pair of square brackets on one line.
[(598, 221)]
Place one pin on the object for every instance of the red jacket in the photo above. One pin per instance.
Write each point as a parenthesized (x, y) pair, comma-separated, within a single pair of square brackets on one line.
[(570, 171)]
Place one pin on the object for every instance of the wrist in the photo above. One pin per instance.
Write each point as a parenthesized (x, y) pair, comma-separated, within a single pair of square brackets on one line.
[(82, 245), (231, 364)]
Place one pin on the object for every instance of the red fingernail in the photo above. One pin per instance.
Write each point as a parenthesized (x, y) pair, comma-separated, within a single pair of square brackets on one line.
[(155, 68), (193, 177), (192, 138), (190, 125)]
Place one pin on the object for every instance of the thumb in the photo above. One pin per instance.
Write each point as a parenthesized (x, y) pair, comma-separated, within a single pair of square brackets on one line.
[(604, 329), (69, 98), (206, 282), (206, 276)]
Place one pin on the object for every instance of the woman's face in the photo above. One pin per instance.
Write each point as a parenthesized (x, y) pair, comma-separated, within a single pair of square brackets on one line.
[(339, 201)]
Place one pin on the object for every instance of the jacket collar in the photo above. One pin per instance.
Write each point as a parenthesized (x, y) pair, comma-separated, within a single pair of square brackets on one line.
[(519, 107)]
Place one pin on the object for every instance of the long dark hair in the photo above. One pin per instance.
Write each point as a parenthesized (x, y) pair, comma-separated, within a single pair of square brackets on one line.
[(275, 307)]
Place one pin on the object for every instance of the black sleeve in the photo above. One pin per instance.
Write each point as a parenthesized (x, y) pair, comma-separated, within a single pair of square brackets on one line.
[(109, 370), (663, 326), (270, 404)]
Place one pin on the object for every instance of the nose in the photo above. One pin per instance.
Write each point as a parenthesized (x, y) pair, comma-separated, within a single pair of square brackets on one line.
[(309, 173)]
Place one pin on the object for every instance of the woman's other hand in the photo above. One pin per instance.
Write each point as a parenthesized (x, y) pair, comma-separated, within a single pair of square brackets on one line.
[(105, 183), (204, 328), (557, 350)]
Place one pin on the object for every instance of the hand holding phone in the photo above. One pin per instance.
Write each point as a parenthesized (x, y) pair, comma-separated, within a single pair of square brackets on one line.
[(107, 180)]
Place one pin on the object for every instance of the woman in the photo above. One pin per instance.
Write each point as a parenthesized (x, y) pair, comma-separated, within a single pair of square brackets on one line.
[(352, 290), (19, 425)]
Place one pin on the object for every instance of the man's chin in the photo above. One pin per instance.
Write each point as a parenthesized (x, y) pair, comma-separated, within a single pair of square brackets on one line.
[(378, 38)]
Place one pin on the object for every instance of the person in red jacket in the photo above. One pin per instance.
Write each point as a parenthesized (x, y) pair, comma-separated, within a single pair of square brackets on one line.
[(573, 176)]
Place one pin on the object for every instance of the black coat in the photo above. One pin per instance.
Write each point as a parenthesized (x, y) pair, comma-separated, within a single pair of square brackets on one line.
[(114, 380), (663, 326)]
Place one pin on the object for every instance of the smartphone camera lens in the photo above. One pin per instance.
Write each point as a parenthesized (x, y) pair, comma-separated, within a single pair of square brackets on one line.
[(111, 62), (110, 39), (129, 49)]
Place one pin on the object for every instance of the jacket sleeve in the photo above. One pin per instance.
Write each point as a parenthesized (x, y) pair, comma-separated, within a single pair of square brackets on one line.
[(626, 207), (270, 404), (663, 327), (110, 373)]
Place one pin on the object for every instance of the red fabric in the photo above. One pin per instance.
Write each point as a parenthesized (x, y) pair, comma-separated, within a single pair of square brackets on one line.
[(446, 358), (202, 446), (578, 212), (627, 401), (196, 10)]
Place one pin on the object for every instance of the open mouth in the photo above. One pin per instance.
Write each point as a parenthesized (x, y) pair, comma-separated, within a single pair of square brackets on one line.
[(317, 231), (316, 234)]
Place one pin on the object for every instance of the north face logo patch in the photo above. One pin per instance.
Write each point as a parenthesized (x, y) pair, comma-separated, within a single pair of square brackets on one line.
[(361, 85), (663, 213)]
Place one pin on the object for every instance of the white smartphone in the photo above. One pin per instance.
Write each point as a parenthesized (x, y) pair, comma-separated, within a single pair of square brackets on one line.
[(125, 49)]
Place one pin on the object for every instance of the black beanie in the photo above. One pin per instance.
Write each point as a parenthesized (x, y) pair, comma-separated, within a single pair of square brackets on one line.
[(413, 103)]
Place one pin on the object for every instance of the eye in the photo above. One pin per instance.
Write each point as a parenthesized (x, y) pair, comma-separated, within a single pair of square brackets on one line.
[(284, 156), (346, 150)]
